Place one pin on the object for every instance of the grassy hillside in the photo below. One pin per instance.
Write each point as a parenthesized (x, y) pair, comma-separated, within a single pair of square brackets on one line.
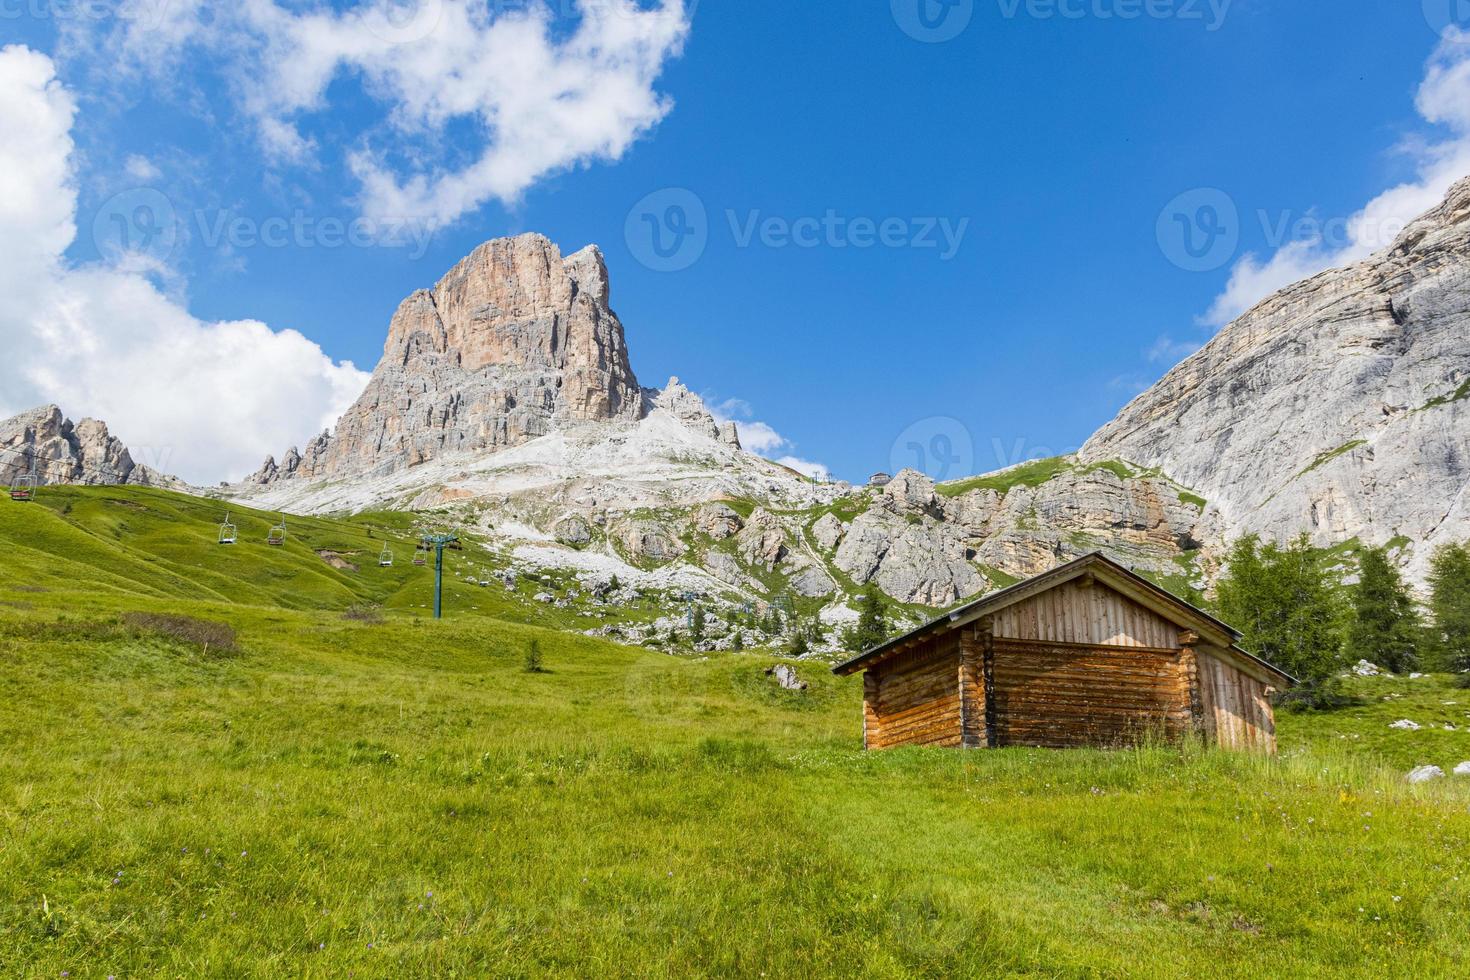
[(397, 797)]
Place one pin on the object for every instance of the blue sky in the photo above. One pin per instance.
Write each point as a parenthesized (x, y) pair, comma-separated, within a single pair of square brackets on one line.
[(1038, 151)]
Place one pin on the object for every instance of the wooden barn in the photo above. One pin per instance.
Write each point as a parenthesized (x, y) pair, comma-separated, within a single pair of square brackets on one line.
[(1088, 654)]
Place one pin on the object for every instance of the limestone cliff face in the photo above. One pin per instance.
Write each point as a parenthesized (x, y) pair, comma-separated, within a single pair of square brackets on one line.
[(47, 445), (1339, 407), (512, 342)]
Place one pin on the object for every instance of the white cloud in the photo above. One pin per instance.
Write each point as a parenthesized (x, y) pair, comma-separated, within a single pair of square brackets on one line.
[(1167, 350), (142, 169), (760, 438), (1443, 100), (806, 467), (204, 400), (545, 95)]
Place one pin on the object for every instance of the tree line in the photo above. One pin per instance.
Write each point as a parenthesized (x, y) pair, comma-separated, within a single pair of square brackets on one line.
[(1295, 611)]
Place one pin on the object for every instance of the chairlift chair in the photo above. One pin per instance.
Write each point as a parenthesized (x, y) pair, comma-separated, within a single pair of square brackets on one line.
[(228, 533), (421, 557), (23, 490), (277, 536), (385, 560)]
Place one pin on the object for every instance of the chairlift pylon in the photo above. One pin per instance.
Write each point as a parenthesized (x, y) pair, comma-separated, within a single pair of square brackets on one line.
[(23, 489), (228, 533), (277, 536)]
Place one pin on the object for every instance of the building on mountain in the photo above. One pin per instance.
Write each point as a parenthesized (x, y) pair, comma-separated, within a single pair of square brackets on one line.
[(879, 480), (1088, 654)]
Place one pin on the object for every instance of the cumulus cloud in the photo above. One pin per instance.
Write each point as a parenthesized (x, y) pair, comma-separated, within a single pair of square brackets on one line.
[(205, 400), (1443, 100), (763, 440), (544, 91)]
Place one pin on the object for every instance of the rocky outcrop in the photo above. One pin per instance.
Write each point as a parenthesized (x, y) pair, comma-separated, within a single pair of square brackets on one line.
[(926, 563), (573, 530), (763, 541), (719, 521), (512, 342), (45, 444), (1339, 407), (911, 492), (651, 541), (689, 408), (827, 532)]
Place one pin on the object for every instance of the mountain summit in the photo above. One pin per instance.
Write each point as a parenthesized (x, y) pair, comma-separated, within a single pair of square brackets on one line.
[(1340, 406), (512, 343)]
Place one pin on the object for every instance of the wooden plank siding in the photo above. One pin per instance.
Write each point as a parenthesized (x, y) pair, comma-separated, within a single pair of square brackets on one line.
[(1237, 707), (1076, 613)]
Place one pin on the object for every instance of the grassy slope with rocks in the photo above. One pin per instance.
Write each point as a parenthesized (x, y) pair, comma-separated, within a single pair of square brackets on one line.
[(391, 796)]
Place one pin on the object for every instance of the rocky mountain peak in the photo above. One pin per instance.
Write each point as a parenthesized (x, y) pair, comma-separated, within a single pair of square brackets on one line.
[(44, 443), (1340, 406), (689, 408), (512, 343)]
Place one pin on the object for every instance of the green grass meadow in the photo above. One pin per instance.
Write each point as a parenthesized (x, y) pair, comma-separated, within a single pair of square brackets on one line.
[(396, 797)]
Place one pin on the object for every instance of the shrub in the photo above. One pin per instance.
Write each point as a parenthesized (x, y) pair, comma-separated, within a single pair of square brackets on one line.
[(361, 612), (211, 636), (534, 662)]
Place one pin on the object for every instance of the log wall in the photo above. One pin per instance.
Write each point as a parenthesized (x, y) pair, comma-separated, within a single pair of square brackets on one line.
[(915, 698), (1053, 695), (1237, 707)]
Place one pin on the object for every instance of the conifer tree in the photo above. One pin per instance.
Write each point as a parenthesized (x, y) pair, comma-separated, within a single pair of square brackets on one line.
[(1385, 628), (1289, 607), (1449, 605)]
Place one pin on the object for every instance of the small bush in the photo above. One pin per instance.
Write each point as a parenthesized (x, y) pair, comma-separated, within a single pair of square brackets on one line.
[(534, 663), (361, 612), (1462, 681), (212, 637)]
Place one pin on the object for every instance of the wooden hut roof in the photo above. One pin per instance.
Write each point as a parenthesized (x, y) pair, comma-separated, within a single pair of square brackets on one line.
[(1105, 570)]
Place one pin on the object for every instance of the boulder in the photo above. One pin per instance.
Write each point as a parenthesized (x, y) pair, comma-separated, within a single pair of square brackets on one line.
[(762, 541), (651, 540), (813, 583), (1405, 725), (911, 492), (786, 677), (828, 531), (573, 530), (1425, 774), (719, 521), (1463, 769)]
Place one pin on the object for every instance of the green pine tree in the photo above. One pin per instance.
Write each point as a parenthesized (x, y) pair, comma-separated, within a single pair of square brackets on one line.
[(1449, 606), (1385, 627), (1288, 604), (872, 626), (697, 623)]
